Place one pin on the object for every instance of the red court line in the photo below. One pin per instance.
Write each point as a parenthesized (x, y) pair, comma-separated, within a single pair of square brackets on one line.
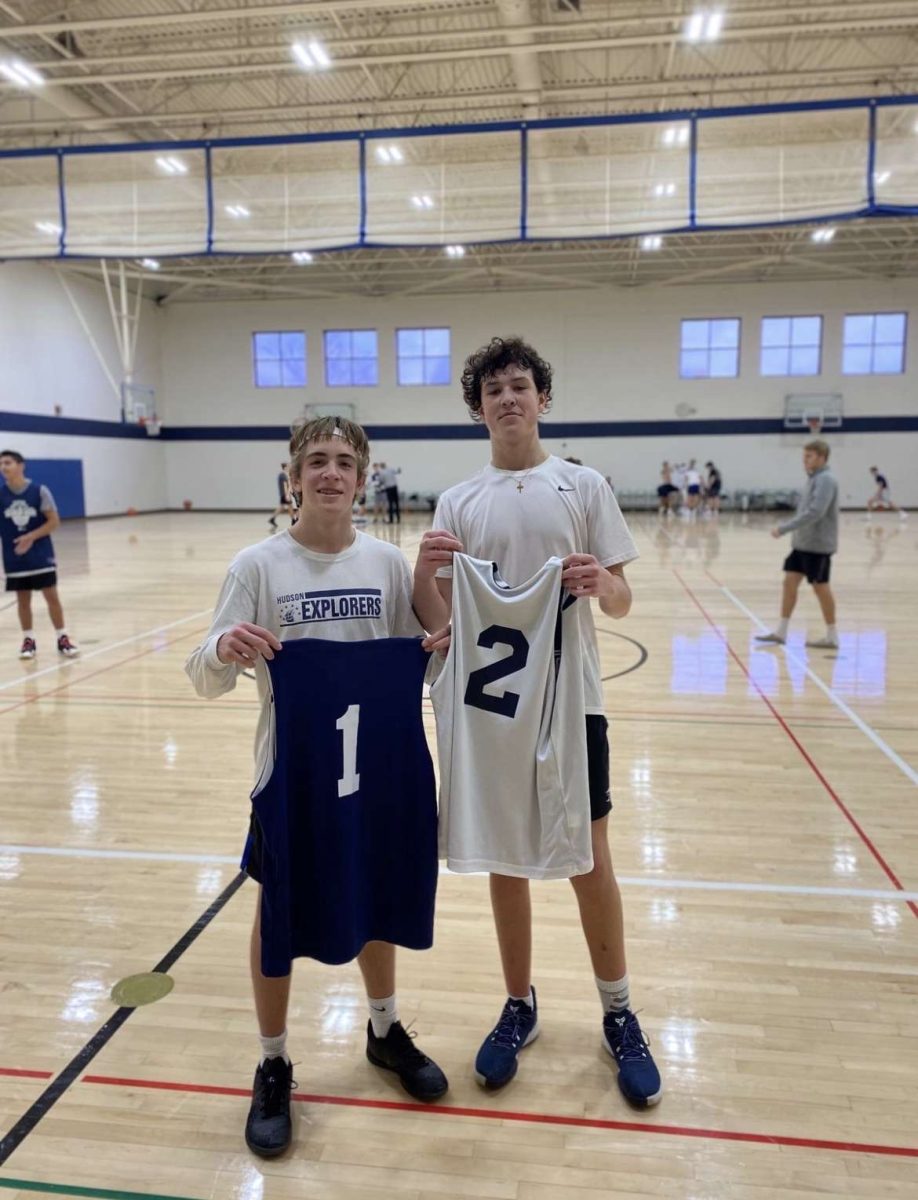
[(496, 1114), (843, 808), (101, 671), (493, 1114), (20, 1073)]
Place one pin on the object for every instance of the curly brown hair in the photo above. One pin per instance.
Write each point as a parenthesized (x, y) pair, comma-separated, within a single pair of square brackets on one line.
[(499, 354)]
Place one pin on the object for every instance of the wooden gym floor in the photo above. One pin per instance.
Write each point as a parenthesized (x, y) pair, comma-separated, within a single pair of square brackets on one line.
[(765, 834)]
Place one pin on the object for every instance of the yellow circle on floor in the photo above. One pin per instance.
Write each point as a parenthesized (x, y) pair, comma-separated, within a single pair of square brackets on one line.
[(135, 990)]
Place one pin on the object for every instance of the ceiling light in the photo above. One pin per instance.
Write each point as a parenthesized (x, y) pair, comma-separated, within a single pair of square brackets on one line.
[(665, 189), (881, 177), (151, 264), (422, 201), (237, 210), (21, 74), (48, 227), (456, 251), (652, 241), (312, 55), (676, 135), (389, 154), (823, 235), (171, 165), (301, 257), (704, 26)]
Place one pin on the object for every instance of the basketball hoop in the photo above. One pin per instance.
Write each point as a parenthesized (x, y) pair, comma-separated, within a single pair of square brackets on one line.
[(814, 424), (152, 425)]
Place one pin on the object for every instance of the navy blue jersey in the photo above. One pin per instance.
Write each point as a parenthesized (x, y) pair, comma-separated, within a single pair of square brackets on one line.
[(20, 512), (348, 817)]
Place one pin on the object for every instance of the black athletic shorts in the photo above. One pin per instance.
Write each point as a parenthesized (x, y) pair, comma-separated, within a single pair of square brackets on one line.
[(597, 738), (816, 567), (714, 489), (666, 489), (32, 583)]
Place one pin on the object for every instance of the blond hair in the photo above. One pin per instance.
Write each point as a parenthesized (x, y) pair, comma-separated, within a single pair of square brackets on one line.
[(320, 429), (821, 448)]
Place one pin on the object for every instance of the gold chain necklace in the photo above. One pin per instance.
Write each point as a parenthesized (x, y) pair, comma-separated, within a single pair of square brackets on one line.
[(518, 479)]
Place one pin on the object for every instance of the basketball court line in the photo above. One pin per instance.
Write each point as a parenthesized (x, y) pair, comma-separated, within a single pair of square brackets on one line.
[(908, 771), (499, 1114), (92, 674), (74, 662), (81, 1060), (649, 881), (805, 754), (95, 1193)]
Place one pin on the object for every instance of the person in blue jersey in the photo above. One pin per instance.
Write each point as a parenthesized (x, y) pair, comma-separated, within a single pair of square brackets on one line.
[(28, 517), (320, 579), (523, 508)]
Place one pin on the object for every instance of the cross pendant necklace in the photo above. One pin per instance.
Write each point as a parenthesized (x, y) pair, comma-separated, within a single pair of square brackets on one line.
[(519, 485)]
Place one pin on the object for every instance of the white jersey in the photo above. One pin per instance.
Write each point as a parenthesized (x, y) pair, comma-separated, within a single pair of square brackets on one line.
[(360, 594), (562, 509), (511, 728)]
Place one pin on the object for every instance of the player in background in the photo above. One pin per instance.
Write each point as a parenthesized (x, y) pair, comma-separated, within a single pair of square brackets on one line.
[(666, 491), (713, 487), (284, 499), (692, 488), (322, 552), (28, 517), (881, 499), (815, 539), (521, 509)]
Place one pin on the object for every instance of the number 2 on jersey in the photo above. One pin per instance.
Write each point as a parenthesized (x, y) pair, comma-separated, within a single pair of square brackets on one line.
[(347, 726), (505, 704)]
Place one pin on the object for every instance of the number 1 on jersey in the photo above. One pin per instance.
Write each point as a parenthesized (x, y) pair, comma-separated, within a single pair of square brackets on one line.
[(347, 726)]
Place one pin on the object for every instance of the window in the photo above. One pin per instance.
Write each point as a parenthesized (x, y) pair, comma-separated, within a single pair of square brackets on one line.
[(710, 349), (874, 344), (279, 359), (351, 358), (423, 357), (791, 345)]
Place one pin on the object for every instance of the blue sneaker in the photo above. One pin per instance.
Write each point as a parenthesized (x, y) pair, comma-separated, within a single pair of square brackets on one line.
[(496, 1064), (638, 1076)]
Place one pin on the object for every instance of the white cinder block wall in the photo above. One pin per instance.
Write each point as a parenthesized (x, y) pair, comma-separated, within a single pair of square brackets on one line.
[(615, 354)]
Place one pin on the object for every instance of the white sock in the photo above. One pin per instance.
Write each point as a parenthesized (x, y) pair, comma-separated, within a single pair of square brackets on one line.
[(528, 999), (783, 624), (274, 1047), (832, 632), (58, 633), (383, 1014), (28, 633), (615, 994)]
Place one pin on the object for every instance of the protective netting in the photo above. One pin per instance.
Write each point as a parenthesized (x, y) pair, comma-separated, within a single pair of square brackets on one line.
[(598, 177)]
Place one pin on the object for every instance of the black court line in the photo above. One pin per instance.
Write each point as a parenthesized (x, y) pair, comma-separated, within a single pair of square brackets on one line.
[(642, 658), (56, 1088)]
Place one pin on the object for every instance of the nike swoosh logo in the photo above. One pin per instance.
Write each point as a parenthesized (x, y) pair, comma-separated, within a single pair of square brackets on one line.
[(561, 489)]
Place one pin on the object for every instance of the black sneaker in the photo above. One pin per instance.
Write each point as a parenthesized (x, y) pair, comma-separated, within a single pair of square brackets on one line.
[(419, 1075), (268, 1127)]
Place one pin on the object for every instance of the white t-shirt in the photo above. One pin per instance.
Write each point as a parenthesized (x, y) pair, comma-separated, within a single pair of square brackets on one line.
[(360, 594), (692, 477), (562, 509)]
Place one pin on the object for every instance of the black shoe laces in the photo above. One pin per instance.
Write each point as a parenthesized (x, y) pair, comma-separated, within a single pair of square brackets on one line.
[(275, 1091), (631, 1041), (407, 1051)]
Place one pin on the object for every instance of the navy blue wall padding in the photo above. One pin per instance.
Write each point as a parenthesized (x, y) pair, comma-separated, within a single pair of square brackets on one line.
[(64, 476)]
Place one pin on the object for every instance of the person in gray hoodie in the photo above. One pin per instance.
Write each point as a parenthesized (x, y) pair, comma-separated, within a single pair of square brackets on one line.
[(815, 539)]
